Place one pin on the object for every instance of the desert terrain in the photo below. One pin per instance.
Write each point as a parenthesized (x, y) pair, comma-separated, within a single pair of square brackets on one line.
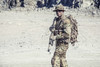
[(24, 38)]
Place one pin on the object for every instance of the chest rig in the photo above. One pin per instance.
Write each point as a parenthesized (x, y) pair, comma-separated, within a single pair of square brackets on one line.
[(59, 24)]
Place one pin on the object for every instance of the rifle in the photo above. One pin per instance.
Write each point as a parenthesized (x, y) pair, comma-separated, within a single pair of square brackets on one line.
[(51, 41)]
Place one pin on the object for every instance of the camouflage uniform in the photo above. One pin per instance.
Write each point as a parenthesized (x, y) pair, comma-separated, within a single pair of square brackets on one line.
[(59, 58)]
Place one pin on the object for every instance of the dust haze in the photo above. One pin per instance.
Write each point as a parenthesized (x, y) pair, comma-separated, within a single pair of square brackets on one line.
[(24, 34)]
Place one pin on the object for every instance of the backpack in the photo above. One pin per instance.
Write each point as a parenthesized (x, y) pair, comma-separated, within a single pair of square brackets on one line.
[(74, 30)]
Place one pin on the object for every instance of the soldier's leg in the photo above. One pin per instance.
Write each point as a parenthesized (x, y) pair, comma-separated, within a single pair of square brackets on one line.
[(63, 61), (15, 2), (9, 4), (55, 60), (45, 2), (22, 4)]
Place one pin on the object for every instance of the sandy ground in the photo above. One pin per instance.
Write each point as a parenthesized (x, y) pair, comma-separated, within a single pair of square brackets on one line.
[(24, 40)]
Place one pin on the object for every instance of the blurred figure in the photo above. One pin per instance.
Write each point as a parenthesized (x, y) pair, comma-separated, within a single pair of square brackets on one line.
[(64, 2), (11, 3), (22, 3), (46, 3), (39, 4), (97, 3), (77, 3), (58, 2)]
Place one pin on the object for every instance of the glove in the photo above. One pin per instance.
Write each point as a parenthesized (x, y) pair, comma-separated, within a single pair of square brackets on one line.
[(59, 37)]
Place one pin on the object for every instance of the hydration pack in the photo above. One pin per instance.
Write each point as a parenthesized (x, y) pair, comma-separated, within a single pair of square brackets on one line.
[(74, 30)]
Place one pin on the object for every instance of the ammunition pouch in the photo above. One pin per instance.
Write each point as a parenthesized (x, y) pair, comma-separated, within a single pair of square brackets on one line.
[(56, 32)]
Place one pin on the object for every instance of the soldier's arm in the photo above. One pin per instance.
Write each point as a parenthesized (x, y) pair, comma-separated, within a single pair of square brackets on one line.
[(52, 28), (67, 27), (52, 37)]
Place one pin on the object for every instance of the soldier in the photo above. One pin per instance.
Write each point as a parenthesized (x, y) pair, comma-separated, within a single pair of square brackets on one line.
[(61, 30)]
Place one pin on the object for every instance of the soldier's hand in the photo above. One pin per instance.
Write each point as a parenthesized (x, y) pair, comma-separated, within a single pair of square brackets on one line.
[(59, 37), (48, 50)]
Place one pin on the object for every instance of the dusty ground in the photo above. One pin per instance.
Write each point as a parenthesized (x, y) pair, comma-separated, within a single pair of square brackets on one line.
[(24, 40)]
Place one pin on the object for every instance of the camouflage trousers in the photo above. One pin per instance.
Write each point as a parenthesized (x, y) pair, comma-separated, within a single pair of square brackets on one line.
[(59, 58)]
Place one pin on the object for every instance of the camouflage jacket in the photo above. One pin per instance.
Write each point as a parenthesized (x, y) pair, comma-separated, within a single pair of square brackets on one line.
[(63, 26)]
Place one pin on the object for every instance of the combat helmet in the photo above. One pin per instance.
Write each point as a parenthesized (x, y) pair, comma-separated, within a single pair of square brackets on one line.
[(59, 7)]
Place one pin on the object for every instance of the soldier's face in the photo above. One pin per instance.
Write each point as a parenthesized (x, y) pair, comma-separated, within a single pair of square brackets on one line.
[(59, 13)]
